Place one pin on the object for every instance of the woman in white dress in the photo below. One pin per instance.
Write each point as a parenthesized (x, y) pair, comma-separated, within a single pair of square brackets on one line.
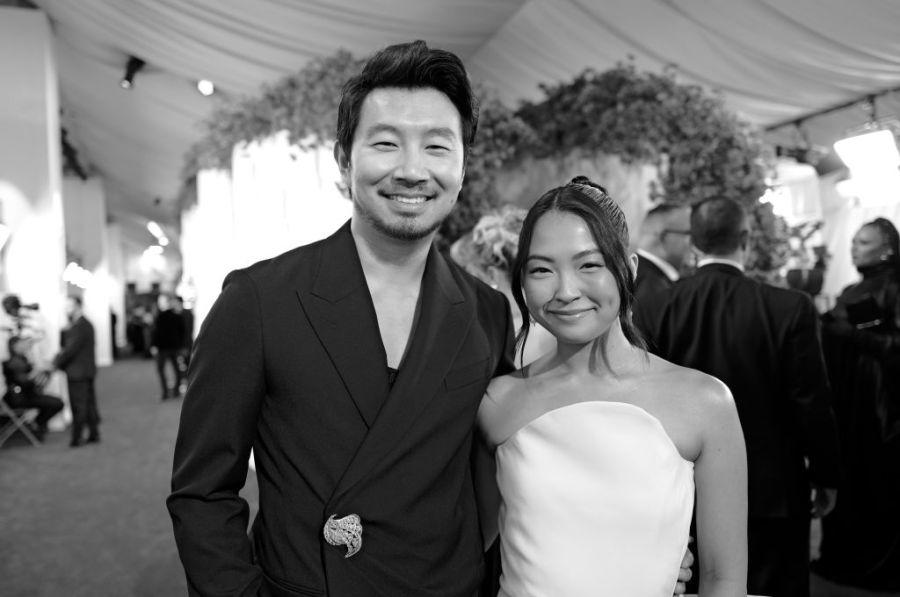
[(598, 444)]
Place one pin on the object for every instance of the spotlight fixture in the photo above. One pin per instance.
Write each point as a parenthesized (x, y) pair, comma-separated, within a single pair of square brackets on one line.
[(206, 87), (134, 65), (155, 229)]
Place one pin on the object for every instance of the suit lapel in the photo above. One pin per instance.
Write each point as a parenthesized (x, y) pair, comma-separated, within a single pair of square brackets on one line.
[(340, 309), (443, 325)]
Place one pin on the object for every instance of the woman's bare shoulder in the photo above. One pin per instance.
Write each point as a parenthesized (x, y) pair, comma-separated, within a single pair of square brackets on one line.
[(703, 390)]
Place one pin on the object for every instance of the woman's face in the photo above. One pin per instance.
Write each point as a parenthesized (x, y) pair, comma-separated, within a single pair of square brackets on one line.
[(568, 288), (867, 247)]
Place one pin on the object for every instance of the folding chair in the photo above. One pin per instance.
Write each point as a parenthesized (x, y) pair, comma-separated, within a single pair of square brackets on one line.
[(19, 418)]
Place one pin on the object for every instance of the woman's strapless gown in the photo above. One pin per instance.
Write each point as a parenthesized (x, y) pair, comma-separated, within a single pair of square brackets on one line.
[(597, 502)]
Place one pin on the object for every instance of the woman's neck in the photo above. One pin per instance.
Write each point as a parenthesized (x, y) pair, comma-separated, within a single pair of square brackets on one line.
[(876, 269), (610, 355)]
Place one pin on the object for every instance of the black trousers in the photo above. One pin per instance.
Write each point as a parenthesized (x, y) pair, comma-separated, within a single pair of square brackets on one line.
[(47, 405), (84, 408), (168, 355), (778, 556)]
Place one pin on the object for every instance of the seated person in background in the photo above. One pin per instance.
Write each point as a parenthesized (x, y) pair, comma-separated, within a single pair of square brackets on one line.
[(487, 253), (24, 386)]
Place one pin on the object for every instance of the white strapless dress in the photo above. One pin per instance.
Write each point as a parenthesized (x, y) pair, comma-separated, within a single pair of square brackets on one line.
[(597, 502)]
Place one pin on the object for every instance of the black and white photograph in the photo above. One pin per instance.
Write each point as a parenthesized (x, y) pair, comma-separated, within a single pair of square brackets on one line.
[(450, 298)]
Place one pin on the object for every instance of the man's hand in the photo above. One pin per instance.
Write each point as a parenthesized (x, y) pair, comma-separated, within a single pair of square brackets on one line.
[(684, 574), (41, 378), (823, 501)]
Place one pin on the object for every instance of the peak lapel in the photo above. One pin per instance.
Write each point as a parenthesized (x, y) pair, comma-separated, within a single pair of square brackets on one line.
[(443, 325), (339, 308)]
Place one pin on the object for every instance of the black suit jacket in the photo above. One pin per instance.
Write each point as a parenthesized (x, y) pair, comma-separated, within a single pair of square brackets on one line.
[(290, 362), (168, 331), (651, 286), (76, 355), (764, 343)]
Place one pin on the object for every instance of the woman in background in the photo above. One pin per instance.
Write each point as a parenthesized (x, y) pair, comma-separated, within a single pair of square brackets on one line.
[(598, 444), (861, 340), (487, 253)]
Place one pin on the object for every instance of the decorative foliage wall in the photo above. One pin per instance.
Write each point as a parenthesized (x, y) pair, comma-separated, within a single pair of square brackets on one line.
[(700, 148)]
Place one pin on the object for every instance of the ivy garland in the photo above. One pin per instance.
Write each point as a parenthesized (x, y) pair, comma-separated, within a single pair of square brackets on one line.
[(701, 149)]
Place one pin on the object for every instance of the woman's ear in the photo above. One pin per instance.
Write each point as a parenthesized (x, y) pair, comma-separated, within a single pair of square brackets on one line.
[(633, 265)]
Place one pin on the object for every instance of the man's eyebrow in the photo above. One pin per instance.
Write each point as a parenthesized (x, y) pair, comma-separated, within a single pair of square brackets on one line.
[(442, 131), (380, 127)]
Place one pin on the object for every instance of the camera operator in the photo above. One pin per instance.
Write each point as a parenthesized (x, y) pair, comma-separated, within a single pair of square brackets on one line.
[(24, 386), (22, 320)]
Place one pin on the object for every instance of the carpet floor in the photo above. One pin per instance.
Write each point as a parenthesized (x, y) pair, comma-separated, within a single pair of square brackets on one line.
[(92, 521)]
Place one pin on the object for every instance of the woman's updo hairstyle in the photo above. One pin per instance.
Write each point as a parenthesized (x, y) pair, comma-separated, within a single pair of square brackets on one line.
[(604, 218)]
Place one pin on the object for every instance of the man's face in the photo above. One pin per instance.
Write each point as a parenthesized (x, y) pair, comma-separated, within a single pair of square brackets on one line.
[(405, 169), (73, 310), (676, 237)]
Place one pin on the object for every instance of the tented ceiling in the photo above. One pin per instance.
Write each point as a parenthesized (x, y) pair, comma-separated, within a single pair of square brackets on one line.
[(774, 61)]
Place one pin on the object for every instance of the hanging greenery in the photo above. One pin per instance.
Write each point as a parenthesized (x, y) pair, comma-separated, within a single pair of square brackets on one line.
[(304, 104), (501, 136), (701, 149)]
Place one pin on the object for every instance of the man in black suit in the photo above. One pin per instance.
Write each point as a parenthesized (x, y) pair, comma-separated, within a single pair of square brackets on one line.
[(663, 244), (76, 358), (764, 343), (353, 367), (167, 344)]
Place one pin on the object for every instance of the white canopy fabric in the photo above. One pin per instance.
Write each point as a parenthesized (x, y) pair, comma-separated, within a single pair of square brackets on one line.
[(773, 61)]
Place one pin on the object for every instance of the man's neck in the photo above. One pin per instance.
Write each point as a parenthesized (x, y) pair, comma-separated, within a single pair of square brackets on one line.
[(382, 256), (735, 259)]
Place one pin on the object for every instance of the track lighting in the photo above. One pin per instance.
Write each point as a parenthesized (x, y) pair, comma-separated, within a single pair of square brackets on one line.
[(206, 87), (134, 65)]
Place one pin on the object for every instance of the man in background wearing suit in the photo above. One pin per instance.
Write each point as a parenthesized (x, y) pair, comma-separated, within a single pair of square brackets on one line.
[(76, 358), (764, 343), (663, 244)]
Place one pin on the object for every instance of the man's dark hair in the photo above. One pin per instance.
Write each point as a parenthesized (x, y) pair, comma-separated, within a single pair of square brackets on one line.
[(718, 226), (12, 304), (411, 65)]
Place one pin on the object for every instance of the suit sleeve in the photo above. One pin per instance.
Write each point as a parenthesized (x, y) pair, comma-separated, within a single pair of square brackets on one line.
[(76, 338), (508, 341), (810, 395), (226, 386)]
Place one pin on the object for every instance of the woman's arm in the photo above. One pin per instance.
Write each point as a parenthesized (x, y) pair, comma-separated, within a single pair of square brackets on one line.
[(720, 475)]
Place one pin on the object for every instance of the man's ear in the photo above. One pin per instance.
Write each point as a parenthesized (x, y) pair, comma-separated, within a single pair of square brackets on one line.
[(342, 159), (745, 239)]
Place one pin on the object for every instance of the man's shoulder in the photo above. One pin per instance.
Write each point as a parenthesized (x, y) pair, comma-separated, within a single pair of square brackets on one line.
[(288, 266)]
